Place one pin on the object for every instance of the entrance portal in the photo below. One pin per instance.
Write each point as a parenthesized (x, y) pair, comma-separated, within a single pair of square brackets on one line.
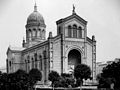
[(74, 58)]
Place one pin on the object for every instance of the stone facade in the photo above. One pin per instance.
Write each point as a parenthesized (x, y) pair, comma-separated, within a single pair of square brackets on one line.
[(61, 53)]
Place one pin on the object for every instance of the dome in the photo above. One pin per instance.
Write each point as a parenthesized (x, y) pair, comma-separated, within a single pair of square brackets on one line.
[(35, 17)]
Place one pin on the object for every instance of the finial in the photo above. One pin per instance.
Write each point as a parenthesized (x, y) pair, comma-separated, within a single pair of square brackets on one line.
[(50, 34), (23, 43), (23, 38), (93, 38), (35, 7), (73, 11)]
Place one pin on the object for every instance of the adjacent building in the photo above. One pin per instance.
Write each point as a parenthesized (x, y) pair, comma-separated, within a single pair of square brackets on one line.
[(62, 53), (101, 65)]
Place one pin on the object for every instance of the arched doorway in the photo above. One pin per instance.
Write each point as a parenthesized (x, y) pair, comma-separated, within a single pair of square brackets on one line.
[(74, 58)]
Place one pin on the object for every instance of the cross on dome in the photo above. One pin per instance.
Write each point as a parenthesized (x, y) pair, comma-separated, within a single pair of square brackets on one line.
[(35, 7)]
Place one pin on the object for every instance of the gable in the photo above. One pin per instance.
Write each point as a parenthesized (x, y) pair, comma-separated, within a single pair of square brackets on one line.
[(73, 16)]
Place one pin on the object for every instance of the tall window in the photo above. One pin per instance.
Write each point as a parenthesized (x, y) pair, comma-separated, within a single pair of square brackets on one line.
[(32, 62), (35, 55), (59, 30), (75, 31), (69, 31), (79, 32), (39, 32), (30, 34), (43, 34), (34, 32), (26, 65), (10, 63), (40, 63), (28, 62)]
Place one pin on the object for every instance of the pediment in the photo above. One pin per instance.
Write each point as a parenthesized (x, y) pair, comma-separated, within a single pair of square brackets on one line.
[(71, 17)]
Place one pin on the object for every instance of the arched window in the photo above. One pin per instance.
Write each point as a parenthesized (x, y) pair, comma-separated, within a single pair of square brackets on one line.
[(10, 64), (30, 34), (26, 65), (32, 62), (69, 31), (59, 30), (39, 32), (43, 34), (79, 32), (35, 56), (75, 31), (34, 32), (40, 63), (28, 62)]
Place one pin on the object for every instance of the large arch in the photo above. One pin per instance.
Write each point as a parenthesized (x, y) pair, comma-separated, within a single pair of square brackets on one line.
[(73, 57)]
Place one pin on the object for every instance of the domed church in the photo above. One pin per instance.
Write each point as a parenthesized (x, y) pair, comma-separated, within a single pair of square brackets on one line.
[(61, 53)]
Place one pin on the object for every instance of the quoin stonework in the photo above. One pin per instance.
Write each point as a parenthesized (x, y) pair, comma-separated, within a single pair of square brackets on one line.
[(61, 53)]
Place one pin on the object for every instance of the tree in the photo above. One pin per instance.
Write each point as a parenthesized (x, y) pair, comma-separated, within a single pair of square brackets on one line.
[(34, 76), (18, 80), (20, 77), (111, 74), (67, 80), (3, 81), (53, 77), (81, 72), (14, 81)]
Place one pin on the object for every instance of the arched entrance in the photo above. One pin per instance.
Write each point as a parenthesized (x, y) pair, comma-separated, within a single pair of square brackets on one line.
[(74, 58)]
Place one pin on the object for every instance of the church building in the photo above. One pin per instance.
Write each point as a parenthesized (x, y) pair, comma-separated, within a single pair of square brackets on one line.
[(61, 53)]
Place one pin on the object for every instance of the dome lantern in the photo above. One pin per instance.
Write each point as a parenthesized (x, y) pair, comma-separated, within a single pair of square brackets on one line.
[(35, 8)]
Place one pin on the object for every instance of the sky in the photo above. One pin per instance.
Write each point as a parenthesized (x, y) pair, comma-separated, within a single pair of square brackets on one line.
[(103, 18)]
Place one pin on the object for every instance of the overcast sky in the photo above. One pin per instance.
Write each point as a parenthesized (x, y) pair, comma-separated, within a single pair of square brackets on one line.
[(103, 18)]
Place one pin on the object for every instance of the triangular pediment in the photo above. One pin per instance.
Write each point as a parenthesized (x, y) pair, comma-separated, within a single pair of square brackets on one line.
[(71, 17)]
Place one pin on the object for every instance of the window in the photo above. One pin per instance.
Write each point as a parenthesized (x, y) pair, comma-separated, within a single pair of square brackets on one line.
[(10, 63), (32, 62), (44, 54), (26, 64), (43, 34), (35, 55), (79, 32), (28, 61), (40, 63), (75, 31), (59, 30), (30, 34), (39, 32), (69, 31), (34, 32)]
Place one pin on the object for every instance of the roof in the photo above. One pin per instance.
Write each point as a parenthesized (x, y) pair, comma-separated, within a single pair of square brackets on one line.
[(70, 17), (15, 49)]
